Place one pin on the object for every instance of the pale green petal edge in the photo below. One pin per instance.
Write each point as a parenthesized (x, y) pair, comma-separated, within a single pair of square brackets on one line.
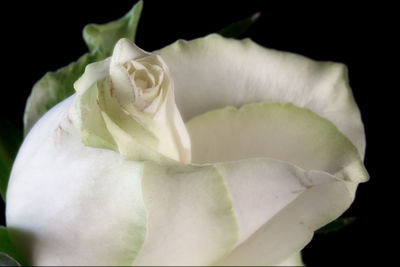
[(85, 114), (353, 167), (93, 72)]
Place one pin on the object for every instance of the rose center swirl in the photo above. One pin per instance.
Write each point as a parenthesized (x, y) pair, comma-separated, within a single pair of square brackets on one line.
[(146, 80)]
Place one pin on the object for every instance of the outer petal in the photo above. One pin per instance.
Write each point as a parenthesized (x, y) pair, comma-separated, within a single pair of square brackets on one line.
[(69, 204), (172, 133), (294, 260), (275, 130), (215, 72), (85, 114), (278, 206), (191, 221)]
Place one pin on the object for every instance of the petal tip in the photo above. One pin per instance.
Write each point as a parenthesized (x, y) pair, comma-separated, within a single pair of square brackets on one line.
[(125, 50)]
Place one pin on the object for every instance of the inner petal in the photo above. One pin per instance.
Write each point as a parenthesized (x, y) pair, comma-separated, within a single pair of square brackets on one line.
[(274, 130), (133, 65), (142, 79), (157, 72)]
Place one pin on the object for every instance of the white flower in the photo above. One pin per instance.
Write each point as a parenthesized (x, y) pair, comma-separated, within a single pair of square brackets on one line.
[(275, 152)]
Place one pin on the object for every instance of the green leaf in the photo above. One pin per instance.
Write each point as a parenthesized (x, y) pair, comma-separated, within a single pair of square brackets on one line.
[(336, 225), (54, 87), (103, 37), (236, 29), (10, 140), (9, 256)]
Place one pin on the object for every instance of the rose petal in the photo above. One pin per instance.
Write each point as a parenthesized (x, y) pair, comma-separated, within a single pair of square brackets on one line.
[(70, 204), (171, 130), (215, 72), (141, 137), (85, 114), (294, 260), (191, 221), (130, 147), (275, 130), (94, 72), (278, 206), (126, 50)]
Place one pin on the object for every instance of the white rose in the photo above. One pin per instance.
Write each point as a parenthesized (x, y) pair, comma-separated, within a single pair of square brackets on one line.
[(260, 149)]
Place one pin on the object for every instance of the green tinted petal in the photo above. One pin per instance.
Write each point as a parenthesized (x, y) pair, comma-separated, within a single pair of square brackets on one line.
[(275, 130), (132, 135), (86, 116), (129, 146), (94, 72), (190, 219)]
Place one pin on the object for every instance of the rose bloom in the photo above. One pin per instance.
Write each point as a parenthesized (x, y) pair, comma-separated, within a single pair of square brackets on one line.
[(208, 152)]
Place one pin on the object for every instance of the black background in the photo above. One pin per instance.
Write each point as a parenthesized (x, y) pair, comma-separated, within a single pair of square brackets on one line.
[(38, 38)]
